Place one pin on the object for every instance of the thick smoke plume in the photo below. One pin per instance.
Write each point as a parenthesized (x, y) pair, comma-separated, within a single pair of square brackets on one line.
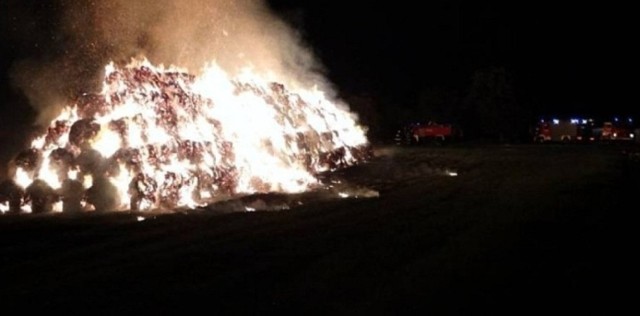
[(83, 36)]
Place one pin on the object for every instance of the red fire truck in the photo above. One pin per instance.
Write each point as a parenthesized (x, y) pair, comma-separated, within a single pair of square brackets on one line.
[(564, 130), (618, 130), (430, 132)]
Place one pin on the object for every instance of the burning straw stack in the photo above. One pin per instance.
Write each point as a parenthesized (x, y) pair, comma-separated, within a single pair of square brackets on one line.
[(69, 156)]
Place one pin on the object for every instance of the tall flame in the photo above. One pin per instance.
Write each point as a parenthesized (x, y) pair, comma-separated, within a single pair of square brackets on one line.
[(164, 138)]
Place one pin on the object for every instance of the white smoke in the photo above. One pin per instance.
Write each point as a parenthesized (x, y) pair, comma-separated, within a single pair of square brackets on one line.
[(186, 33)]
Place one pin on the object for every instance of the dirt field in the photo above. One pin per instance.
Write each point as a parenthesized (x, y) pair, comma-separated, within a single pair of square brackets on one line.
[(520, 229)]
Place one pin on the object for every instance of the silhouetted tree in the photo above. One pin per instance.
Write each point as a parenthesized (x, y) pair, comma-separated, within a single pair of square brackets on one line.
[(491, 109), (439, 104)]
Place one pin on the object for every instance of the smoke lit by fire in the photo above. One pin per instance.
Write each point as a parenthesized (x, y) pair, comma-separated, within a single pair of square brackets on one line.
[(164, 138), (161, 138)]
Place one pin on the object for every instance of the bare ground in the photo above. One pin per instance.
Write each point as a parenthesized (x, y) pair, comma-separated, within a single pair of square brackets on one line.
[(519, 230)]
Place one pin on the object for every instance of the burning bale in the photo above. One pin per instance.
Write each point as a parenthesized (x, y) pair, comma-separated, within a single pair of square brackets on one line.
[(11, 196), (102, 195), (41, 196), (156, 138), (29, 160), (72, 195)]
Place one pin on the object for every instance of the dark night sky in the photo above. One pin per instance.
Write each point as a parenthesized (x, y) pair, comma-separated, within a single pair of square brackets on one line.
[(564, 58)]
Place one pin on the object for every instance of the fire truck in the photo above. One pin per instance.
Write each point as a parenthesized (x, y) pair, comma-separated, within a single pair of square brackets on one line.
[(564, 130), (429, 132), (618, 130)]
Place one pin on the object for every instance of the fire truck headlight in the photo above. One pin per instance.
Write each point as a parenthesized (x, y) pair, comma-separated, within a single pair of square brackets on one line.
[(631, 135), (615, 134)]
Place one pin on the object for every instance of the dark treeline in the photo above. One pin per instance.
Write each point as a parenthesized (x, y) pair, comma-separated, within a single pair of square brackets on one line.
[(489, 108)]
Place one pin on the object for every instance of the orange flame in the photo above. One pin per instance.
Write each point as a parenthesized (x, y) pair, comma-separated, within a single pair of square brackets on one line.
[(165, 139)]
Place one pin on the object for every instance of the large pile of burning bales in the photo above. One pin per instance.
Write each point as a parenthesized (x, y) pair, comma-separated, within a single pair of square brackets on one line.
[(158, 138)]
